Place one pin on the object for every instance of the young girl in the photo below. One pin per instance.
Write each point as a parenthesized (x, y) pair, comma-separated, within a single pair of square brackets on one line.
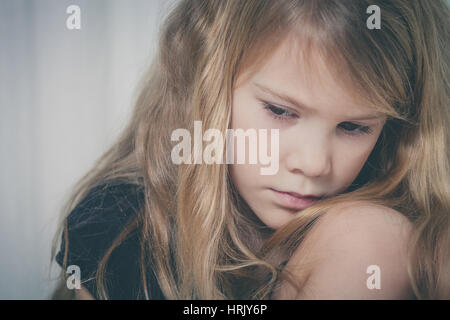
[(360, 205)]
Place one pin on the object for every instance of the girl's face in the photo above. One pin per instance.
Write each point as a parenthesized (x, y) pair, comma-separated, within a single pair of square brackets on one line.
[(324, 136)]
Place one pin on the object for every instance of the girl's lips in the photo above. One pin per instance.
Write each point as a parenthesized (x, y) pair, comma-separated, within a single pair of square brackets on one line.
[(287, 199)]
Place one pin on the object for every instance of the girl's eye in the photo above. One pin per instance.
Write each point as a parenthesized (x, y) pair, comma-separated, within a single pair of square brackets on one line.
[(278, 112), (350, 128), (354, 129)]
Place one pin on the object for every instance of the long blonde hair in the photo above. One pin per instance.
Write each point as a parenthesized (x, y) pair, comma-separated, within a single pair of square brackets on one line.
[(197, 233)]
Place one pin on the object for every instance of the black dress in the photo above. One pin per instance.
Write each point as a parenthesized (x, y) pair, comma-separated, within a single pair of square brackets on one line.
[(93, 225)]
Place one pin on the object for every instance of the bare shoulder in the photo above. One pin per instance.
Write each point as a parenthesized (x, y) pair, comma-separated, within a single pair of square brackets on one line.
[(363, 218), (345, 246), (83, 294)]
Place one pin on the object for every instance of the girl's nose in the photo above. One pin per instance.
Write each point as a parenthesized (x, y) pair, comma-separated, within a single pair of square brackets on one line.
[(312, 159)]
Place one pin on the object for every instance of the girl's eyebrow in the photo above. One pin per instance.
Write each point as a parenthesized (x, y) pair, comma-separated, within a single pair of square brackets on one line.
[(300, 105)]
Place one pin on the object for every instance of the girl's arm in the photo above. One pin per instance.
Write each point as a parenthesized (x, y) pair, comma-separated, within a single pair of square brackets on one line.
[(345, 247), (83, 294)]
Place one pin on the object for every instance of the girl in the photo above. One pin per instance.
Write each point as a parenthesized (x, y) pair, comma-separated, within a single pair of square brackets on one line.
[(362, 192)]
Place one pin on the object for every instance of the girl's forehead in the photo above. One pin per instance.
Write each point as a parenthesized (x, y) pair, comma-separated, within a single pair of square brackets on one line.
[(307, 70), (305, 82), (295, 60)]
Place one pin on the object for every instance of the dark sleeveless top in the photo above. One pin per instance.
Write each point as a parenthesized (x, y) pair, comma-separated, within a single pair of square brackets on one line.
[(93, 225)]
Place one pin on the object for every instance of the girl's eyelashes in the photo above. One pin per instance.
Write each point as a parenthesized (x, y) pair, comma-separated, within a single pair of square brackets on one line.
[(349, 128), (354, 129), (279, 113)]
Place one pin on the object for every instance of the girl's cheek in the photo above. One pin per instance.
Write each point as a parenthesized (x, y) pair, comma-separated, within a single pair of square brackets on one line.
[(351, 163)]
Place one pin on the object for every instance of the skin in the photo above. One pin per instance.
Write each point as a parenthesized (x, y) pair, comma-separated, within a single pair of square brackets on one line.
[(318, 154), (337, 256), (83, 294)]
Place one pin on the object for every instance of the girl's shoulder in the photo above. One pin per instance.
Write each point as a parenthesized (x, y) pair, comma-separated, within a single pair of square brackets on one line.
[(348, 247), (365, 216), (106, 203), (93, 226), (101, 215)]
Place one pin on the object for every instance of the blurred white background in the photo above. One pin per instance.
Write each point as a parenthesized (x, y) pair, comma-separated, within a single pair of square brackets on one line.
[(64, 95)]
